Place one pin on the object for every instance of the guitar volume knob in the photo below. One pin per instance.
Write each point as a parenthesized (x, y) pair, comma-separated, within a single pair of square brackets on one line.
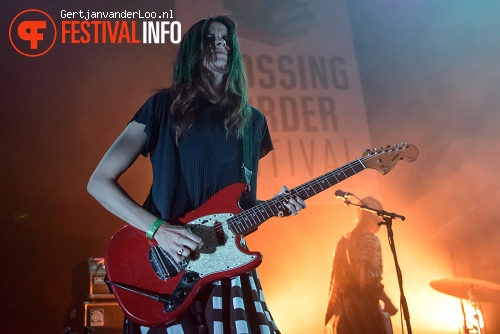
[(181, 293), (169, 306), (191, 277)]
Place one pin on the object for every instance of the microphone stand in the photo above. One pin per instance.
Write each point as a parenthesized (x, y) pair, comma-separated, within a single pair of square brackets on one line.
[(387, 221)]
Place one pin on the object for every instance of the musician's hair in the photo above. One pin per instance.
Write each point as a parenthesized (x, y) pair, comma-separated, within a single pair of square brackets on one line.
[(191, 78)]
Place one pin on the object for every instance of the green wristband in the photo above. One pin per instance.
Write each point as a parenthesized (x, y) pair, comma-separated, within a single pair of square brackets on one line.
[(154, 227)]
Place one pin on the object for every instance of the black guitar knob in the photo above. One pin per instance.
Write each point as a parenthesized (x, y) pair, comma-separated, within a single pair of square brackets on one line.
[(191, 277), (169, 306), (181, 293)]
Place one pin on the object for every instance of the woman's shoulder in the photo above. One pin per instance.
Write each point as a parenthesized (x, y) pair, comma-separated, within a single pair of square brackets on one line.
[(155, 108), (256, 112), (258, 116), (162, 93), (161, 100), (157, 98)]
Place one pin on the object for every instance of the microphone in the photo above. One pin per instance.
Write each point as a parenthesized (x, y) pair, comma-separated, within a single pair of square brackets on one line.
[(342, 194)]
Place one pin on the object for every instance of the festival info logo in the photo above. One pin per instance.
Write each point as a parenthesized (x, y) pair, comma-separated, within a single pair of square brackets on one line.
[(32, 33)]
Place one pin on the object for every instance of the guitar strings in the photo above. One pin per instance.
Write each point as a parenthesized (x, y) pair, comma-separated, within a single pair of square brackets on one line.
[(273, 203)]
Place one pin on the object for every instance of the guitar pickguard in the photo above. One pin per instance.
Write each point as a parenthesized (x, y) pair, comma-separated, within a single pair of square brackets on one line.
[(220, 251)]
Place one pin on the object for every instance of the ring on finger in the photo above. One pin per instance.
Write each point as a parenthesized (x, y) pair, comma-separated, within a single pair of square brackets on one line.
[(180, 251)]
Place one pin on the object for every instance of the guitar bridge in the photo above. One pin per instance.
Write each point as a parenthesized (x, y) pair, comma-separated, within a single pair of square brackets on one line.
[(163, 264)]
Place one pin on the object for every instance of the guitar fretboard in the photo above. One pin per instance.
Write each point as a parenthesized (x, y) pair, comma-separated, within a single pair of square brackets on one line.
[(249, 220)]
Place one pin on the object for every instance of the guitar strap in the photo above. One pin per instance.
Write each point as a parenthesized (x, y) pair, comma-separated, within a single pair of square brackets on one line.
[(247, 152)]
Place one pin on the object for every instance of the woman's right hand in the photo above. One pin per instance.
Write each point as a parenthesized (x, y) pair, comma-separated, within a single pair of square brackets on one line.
[(177, 240)]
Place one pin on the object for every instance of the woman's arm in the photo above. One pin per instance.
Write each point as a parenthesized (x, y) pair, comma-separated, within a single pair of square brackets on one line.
[(104, 187), (103, 184)]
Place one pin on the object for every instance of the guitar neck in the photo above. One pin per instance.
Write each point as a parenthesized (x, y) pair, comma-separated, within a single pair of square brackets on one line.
[(248, 221)]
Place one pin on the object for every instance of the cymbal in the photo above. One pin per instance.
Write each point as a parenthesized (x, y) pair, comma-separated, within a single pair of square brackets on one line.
[(468, 288)]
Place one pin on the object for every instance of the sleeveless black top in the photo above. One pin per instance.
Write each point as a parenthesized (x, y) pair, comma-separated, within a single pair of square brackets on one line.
[(206, 160)]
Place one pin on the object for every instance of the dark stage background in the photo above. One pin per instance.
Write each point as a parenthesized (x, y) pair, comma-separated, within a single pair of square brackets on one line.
[(430, 75)]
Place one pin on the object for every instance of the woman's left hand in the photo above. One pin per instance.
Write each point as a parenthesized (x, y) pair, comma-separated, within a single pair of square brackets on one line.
[(293, 203)]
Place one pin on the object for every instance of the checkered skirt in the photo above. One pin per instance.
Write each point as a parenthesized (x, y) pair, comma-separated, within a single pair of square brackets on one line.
[(229, 306)]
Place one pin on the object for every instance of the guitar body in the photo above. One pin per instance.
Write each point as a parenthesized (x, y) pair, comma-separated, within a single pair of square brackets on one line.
[(128, 261), (154, 290)]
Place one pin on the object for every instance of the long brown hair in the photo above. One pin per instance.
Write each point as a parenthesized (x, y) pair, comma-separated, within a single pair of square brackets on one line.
[(191, 78)]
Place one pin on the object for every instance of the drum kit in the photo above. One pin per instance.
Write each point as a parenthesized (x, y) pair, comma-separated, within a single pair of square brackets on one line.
[(471, 290)]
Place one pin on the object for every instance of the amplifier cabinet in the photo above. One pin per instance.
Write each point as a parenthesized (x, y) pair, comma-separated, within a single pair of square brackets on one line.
[(105, 317), (88, 281)]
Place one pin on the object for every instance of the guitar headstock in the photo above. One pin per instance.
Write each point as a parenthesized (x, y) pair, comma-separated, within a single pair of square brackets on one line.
[(385, 158)]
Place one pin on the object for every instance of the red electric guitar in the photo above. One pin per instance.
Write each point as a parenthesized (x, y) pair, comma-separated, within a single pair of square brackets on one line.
[(154, 290)]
